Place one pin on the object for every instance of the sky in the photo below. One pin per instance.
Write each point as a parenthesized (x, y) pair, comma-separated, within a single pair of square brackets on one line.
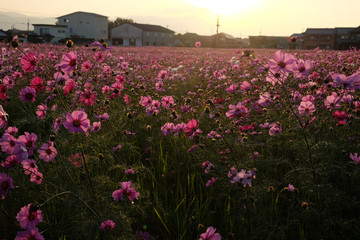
[(239, 18)]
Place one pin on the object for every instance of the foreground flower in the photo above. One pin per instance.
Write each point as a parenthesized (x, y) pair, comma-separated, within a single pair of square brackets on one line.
[(77, 121), (27, 94), (29, 216), (5, 184), (282, 61), (28, 62), (126, 191), (30, 234), (68, 62), (306, 108), (47, 152), (107, 225), (210, 234)]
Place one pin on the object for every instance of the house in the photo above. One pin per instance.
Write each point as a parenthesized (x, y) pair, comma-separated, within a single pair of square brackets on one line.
[(50, 33), (324, 38), (276, 42), (347, 38), (135, 34), (3, 35), (85, 26)]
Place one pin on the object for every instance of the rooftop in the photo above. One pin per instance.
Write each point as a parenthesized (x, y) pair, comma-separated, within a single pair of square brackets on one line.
[(80, 12)]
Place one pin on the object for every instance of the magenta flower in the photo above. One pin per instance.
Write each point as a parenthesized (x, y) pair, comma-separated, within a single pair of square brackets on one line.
[(198, 44), (306, 108), (350, 82), (36, 177), (41, 111), (232, 88), (37, 84), (211, 182), (29, 166), (167, 128), (340, 116), (302, 68), (126, 191), (167, 101), (88, 97), (29, 216), (282, 62), (28, 94), (192, 128), (275, 129), (265, 100), (68, 62), (6, 183), (7, 143), (355, 158), (107, 225), (236, 110), (47, 152), (145, 101), (28, 62), (77, 121), (210, 234), (290, 188), (10, 161), (102, 46), (29, 140), (130, 171), (30, 234), (332, 101)]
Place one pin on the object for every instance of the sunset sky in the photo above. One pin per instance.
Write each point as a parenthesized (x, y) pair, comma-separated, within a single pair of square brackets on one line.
[(239, 18)]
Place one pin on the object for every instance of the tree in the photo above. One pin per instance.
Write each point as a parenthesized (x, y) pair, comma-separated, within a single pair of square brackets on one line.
[(117, 22)]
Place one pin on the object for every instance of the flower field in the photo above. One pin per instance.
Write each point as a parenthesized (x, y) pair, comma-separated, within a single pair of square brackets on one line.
[(105, 142)]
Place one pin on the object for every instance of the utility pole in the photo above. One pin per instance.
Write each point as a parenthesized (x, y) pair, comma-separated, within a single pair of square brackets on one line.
[(217, 31), (28, 24)]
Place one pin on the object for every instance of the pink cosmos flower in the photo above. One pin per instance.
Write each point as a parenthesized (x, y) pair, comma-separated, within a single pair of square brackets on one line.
[(102, 46), (41, 111), (86, 66), (210, 234), (211, 182), (99, 56), (96, 126), (37, 84), (355, 158), (30, 234), (246, 86), (275, 129), (167, 101), (68, 62), (126, 191), (28, 62), (27, 94), (340, 116), (265, 100), (243, 176), (107, 225), (12, 130), (145, 101), (6, 183), (306, 108), (88, 97), (236, 110), (130, 171), (290, 188), (167, 128), (232, 88), (350, 82), (36, 177), (29, 140), (302, 68), (10, 161), (9, 82), (76, 121), (191, 127), (7, 143), (282, 62), (332, 101), (29, 216), (29, 166), (47, 152), (198, 44)]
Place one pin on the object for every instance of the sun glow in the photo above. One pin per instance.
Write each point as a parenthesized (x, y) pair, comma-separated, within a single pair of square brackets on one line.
[(225, 7)]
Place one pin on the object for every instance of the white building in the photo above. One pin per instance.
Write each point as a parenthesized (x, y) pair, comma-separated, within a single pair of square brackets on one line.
[(85, 25), (50, 33), (135, 34)]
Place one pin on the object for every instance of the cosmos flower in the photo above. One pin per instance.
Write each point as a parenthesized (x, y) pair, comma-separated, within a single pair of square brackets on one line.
[(77, 121), (29, 216), (69, 62), (28, 62), (210, 234)]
